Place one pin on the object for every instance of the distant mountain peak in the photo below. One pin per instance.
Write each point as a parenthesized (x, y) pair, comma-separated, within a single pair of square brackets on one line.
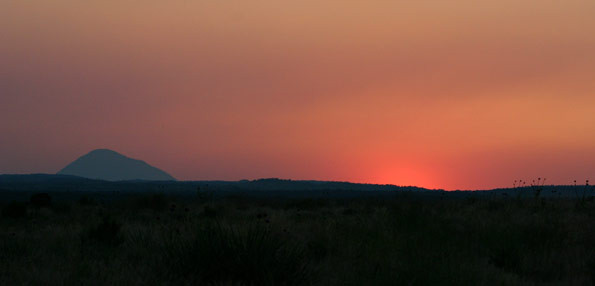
[(109, 165), (105, 151)]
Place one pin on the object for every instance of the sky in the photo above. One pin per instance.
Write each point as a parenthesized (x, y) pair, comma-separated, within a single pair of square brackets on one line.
[(455, 94)]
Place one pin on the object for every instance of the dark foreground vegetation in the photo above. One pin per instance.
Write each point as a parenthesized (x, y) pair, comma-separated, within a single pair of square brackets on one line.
[(402, 240)]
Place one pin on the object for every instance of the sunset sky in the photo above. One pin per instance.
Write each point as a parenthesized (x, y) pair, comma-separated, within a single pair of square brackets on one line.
[(455, 94)]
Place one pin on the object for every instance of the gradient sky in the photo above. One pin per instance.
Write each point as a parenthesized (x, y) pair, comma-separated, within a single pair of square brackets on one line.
[(455, 94)]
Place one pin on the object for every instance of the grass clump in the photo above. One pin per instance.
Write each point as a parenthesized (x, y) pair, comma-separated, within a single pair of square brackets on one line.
[(106, 232), (154, 202), (252, 255)]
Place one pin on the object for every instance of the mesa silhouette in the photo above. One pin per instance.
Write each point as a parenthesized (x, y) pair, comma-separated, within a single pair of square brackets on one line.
[(104, 164)]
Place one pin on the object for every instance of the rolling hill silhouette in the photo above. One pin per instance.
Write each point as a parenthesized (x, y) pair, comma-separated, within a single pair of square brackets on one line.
[(109, 165)]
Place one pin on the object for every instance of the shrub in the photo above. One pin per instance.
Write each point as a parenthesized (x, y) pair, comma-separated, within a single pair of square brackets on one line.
[(252, 256), (106, 232), (87, 201), (308, 204), (62, 208), (14, 210), (204, 195), (155, 202), (41, 200), (210, 212)]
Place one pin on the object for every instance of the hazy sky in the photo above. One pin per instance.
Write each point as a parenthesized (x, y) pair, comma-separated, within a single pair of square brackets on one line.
[(442, 94)]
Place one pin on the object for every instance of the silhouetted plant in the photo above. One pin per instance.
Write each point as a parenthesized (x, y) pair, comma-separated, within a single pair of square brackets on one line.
[(537, 187), (204, 195), (308, 204), (41, 200), (318, 245), (106, 232), (87, 201), (262, 215), (15, 210), (250, 256), (62, 208), (519, 186), (209, 211), (156, 202), (583, 198)]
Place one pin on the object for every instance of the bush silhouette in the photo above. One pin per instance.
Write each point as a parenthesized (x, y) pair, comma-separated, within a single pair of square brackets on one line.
[(14, 210), (209, 212), (251, 256), (87, 201), (41, 200), (106, 232), (155, 202)]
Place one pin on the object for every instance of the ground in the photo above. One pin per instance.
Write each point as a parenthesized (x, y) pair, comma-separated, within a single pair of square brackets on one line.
[(405, 240)]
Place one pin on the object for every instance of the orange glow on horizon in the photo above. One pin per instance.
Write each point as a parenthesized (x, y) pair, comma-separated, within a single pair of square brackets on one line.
[(406, 176)]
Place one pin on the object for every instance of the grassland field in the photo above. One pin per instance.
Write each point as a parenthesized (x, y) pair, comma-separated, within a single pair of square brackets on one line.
[(156, 239)]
